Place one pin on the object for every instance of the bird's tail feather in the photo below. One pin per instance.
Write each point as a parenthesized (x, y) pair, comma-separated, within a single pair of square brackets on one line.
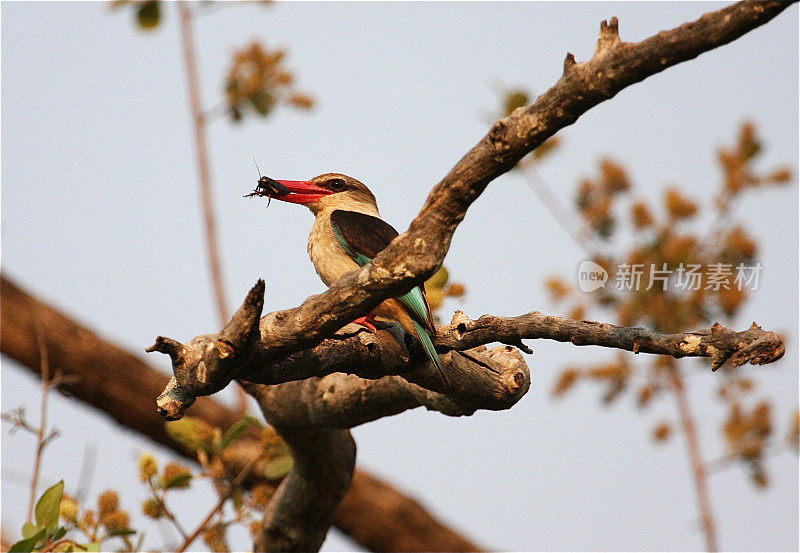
[(427, 343)]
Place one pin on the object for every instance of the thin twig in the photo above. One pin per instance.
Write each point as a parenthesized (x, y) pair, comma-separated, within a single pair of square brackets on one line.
[(698, 467), (244, 473), (199, 121), (167, 512), (40, 437)]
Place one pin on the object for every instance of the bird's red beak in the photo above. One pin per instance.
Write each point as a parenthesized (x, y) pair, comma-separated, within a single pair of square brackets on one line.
[(301, 192)]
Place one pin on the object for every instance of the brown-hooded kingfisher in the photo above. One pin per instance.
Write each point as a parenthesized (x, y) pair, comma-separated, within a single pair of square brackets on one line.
[(348, 233)]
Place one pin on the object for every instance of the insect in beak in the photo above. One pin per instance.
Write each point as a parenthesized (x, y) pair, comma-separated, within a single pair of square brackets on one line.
[(267, 187)]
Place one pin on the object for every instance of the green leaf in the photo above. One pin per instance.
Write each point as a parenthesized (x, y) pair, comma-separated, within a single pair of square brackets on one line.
[(439, 279), (179, 481), (262, 101), (29, 530), (59, 533), (186, 431), (149, 14), (27, 544), (279, 467), (47, 506), (237, 496), (94, 547), (122, 532), (233, 433)]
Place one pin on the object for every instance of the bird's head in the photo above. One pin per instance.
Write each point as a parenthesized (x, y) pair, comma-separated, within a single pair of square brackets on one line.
[(329, 191)]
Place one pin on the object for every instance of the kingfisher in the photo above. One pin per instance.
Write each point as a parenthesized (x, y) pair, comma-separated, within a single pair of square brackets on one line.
[(348, 232)]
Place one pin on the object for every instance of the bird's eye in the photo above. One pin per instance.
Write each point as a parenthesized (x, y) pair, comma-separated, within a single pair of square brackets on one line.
[(337, 185)]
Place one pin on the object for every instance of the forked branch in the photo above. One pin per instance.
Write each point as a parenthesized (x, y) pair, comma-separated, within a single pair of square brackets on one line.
[(415, 255)]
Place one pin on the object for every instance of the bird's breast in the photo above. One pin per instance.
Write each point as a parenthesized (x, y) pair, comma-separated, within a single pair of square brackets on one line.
[(330, 260)]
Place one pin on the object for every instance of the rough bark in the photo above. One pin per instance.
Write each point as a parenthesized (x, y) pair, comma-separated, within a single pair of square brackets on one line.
[(477, 378), (753, 345), (301, 512), (75, 350), (417, 254)]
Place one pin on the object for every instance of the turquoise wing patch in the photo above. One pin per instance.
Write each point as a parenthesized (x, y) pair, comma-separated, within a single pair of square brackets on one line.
[(414, 300), (357, 257)]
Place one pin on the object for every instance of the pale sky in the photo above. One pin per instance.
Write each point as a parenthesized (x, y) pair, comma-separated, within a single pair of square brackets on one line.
[(100, 216)]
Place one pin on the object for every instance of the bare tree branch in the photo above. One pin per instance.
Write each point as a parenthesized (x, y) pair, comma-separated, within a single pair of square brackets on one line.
[(366, 529), (201, 149), (479, 379), (302, 510), (753, 345), (417, 254), (372, 512)]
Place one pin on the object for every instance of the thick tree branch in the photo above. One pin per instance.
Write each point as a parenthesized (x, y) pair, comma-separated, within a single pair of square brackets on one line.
[(365, 529), (302, 510), (372, 512), (417, 254), (478, 379), (489, 379)]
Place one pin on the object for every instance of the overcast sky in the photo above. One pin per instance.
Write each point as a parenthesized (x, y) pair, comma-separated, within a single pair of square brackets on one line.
[(100, 216)]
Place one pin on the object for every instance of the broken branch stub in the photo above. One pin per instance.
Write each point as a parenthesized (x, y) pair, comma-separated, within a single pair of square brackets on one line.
[(209, 362)]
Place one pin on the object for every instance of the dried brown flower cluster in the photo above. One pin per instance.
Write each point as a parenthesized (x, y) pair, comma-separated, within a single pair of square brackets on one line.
[(259, 80), (747, 430), (218, 453), (596, 198), (667, 242), (738, 170), (97, 525)]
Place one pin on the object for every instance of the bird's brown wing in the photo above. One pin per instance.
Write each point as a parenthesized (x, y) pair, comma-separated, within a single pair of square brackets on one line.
[(363, 234), (363, 237)]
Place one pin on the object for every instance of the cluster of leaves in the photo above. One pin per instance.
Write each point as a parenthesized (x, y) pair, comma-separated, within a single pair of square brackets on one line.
[(219, 453), (258, 79), (746, 431), (59, 518), (666, 240), (97, 527)]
